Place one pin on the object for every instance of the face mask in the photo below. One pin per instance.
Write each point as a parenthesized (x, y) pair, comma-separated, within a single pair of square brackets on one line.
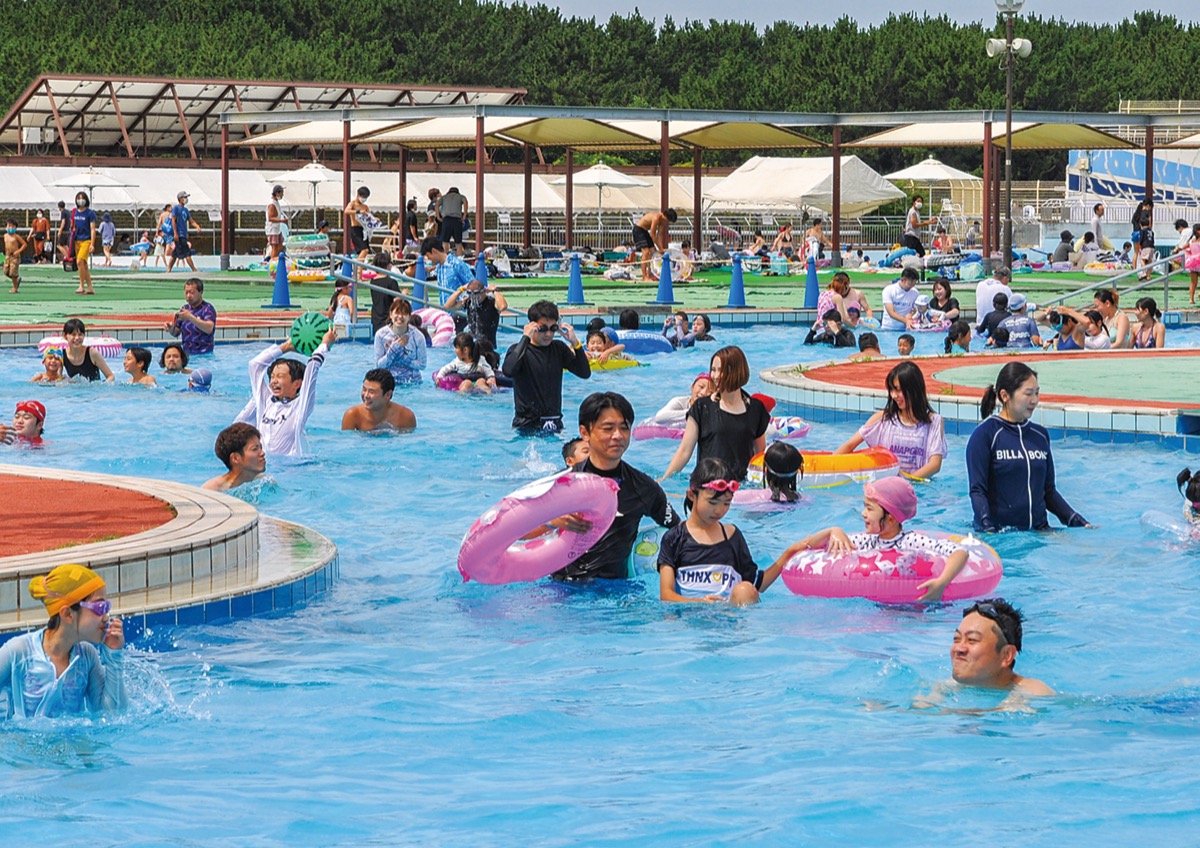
[(918, 204), (11, 230), (82, 204), (39, 215)]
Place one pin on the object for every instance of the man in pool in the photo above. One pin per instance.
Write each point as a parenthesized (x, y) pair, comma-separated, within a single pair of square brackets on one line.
[(240, 447), (985, 648), (196, 321), (536, 364), (377, 411), (281, 404), (605, 423)]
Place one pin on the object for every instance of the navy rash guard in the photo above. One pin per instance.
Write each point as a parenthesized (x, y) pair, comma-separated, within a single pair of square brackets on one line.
[(1011, 474)]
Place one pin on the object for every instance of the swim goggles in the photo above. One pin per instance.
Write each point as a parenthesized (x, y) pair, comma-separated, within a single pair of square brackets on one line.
[(989, 611), (98, 608), (722, 485)]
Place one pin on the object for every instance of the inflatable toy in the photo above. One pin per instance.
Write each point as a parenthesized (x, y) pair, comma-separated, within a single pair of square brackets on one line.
[(643, 559), (787, 427), (641, 342), (439, 324), (892, 577), (108, 347), (1172, 525), (307, 331), (613, 364), (823, 469), (493, 552), (652, 430)]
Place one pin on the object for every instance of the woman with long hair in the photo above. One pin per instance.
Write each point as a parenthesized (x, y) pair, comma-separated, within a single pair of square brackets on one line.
[(907, 425)]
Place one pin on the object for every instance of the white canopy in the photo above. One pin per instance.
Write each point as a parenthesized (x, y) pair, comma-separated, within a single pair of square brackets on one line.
[(783, 183), (932, 171)]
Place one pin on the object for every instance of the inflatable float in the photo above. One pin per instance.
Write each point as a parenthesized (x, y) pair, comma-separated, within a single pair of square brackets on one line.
[(1172, 525), (108, 347), (613, 364), (892, 577), (493, 551), (439, 324), (642, 342), (780, 427), (823, 469)]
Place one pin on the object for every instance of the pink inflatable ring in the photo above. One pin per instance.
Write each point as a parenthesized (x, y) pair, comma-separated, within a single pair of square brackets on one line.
[(890, 577), (492, 551), (107, 345)]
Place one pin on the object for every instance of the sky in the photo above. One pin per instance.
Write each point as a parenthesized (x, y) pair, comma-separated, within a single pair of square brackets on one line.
[(865, 12)]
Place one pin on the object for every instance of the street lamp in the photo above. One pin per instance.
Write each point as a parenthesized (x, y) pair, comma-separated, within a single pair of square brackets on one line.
[(1008, 47)]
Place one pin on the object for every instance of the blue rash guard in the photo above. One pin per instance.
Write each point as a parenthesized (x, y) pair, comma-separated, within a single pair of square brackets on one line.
[(1011, 474)]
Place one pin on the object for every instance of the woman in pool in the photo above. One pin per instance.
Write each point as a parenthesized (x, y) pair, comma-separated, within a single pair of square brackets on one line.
[(907, 425), (1150, 332), (174, 359), (943, 301), (52, 362), (80, 361), (703, 561), (137, 361), (729, 425), (958, 337), (1107, 303), (1010, 467), (59, 670)]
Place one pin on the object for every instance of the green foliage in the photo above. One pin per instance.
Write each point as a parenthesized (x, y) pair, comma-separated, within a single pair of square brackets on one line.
[(905, 63)]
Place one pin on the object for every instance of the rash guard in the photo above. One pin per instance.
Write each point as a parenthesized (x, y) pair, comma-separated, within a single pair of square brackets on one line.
[(281, 422), (537, 375), (93, 680), (1011, 474)]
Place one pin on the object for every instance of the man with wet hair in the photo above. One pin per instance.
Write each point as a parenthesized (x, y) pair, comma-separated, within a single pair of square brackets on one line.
[(649, 233), (985, 648), (377, 410), (239, 447)]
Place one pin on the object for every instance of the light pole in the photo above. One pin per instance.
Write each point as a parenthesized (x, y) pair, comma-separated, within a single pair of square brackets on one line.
[(1008, 47)]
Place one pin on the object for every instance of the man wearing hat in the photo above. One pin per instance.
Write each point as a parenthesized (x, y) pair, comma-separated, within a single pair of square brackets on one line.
[(181, 220), (59, 670), (277, 222), (1022, 330), (988, 288)]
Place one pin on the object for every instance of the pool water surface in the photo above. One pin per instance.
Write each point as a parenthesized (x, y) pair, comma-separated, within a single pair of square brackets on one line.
[(406, 707)]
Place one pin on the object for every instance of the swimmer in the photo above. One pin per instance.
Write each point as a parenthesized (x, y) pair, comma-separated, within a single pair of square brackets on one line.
[(958, 337), (377, 411), (59, 670), (27, 426), (985, 648), (907, 425), (281, 404), (476, 372), (575, 451), (704, 561), (868, 349), (240, 448), (674, 414), (52, 362), (137, 360), (782, 464), (80, 360), (1189, 486), (174, 359), (600, 347), (887, 504), (905, 344), (199, 380)]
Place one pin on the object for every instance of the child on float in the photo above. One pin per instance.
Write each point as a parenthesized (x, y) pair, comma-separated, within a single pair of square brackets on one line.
[(52, 363), (704, 561), (887, 504), (475, 372), (600, 348), (137, 362), (59, 670), (782, 466), (1189, 487), (923, 316), (674, 414)]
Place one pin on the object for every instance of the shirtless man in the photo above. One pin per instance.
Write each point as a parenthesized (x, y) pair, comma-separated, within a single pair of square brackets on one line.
[(360, 240), (377, 412), (239, 446), (649, 233), (985, 649)]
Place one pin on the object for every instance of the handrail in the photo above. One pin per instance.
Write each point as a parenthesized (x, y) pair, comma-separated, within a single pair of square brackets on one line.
[(1107, 282)]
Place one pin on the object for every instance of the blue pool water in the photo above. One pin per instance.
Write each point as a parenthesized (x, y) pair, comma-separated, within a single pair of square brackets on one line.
[(408, 708)]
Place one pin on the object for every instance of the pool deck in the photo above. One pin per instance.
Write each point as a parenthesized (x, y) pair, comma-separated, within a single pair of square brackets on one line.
[(851, 391), (205, 557)]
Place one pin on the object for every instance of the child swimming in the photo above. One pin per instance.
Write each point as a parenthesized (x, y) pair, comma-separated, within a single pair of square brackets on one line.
[(476, 373), (1189, 487), (887, 504), (137, 362), (52, 363), (782, 464), (600, 347), (704, 561)]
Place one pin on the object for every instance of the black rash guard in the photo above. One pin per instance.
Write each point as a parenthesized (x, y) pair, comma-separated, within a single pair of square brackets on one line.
[(537, 378)]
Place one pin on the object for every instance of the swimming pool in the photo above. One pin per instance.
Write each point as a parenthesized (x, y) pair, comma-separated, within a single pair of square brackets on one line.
[(406, 707)]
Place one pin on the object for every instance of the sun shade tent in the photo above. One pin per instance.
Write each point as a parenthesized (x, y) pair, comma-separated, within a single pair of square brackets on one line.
[(1026, 136), (791, 183)]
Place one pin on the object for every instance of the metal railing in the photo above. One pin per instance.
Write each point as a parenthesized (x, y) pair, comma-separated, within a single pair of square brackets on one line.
[(1108, 283)]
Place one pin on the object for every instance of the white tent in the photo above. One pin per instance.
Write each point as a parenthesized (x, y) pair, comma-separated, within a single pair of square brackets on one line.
[(788, 183)]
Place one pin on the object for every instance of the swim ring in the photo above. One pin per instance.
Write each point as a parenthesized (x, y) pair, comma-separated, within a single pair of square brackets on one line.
[(451, 382), (823, 469), (759, 499), (654, 430), (1172, 525), (141, 246), (939, 327), (613, 364), (891, 577), (871, 323), (108, 347), (787, 427), (492, 551), (641, 342), (439, 324), (643, 559)]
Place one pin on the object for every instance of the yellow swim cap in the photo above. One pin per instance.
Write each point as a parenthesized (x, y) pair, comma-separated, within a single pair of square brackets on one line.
[(65, 586)]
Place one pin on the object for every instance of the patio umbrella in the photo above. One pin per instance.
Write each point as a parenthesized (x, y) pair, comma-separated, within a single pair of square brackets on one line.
[(89, 179), (601, 176), (931, 171), (314, 173)]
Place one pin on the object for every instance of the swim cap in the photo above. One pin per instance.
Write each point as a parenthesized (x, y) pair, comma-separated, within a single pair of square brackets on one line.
[(34, 408), (53, 351), (703, 375), (65, 586), (894, 494), (200, 379)]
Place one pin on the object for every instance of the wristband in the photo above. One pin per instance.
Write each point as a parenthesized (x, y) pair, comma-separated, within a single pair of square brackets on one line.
[(578, 344)]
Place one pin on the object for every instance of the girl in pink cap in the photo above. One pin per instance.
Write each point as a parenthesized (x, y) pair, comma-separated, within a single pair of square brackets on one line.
[(887, 504)]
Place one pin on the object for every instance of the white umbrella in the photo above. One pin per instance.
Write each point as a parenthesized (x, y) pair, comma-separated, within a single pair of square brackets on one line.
[(89, 179), (601, 176), (931, 171), (314, 173)]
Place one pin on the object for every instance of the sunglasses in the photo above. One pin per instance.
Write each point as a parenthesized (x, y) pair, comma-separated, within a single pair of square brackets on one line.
[(547, 328), (98, 608), (722, 485)]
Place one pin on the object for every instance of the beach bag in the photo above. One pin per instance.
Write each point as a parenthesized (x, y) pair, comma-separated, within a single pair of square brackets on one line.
[(970, 271)]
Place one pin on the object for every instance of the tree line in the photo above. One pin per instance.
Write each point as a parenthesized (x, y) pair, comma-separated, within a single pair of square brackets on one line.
[(905, 63)]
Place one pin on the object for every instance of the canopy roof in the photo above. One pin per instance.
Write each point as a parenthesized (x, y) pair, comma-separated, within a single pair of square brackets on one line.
[(1027, 135), (931, 171), (769, 183)]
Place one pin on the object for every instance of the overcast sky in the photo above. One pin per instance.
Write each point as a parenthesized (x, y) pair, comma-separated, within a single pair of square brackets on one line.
[(865, 12)]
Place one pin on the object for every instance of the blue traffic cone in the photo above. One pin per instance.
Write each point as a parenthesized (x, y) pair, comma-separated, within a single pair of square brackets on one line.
[(666, 294), (418, 290), (737, 286), (575, 285), (812, 289), (481, 270), (280, 296)]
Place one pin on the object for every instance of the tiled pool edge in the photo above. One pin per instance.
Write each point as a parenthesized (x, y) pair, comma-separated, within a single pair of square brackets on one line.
[(218, 559)]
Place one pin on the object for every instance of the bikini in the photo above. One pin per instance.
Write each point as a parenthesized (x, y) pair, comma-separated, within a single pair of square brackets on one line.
[(1138, 342)]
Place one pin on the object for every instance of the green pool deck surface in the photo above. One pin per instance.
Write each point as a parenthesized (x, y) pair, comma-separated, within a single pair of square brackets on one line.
[(47, 292), (1127, 378)]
